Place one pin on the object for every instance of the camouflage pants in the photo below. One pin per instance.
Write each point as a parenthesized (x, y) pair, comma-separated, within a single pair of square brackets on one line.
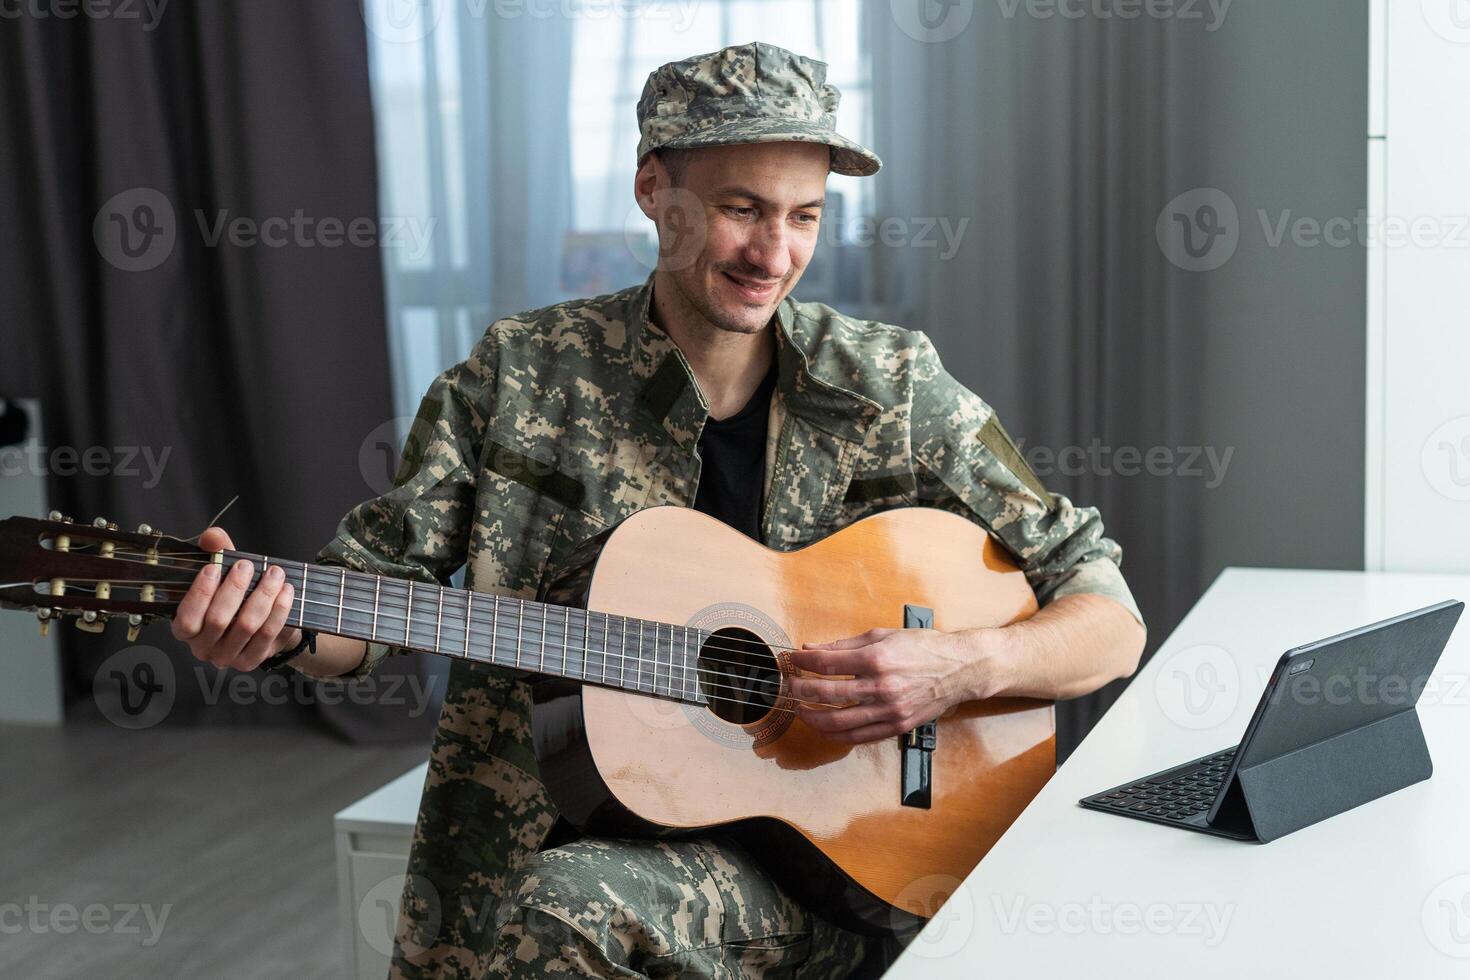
[(482, 899), (688, 908)]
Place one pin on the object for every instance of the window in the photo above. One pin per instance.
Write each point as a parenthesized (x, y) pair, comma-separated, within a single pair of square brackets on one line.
[(506, 135)]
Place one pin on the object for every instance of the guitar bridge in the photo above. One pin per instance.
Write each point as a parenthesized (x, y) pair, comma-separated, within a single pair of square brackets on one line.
[(917, 746)]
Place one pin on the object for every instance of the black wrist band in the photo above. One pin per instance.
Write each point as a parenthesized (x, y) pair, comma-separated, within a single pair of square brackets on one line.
[(278, 661)]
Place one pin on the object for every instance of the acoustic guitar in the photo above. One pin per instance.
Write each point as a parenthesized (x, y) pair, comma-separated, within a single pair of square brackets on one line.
[(662, 703)]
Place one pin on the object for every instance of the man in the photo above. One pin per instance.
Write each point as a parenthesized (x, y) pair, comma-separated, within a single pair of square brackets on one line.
[(706, 386)]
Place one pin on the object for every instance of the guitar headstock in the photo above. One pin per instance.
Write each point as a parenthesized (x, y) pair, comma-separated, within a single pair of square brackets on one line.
[(92, 572)]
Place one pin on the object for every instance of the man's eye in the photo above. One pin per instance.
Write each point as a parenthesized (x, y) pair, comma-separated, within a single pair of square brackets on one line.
[(807, 219), (740, 212)]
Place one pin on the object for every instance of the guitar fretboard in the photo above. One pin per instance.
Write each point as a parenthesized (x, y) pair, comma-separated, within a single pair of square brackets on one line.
[(654, 658)]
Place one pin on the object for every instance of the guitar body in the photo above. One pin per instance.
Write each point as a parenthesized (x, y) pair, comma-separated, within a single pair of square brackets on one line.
[(826, 817)]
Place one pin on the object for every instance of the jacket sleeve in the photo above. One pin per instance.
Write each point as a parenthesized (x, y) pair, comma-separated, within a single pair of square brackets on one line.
[(420, 529), (967, 463)]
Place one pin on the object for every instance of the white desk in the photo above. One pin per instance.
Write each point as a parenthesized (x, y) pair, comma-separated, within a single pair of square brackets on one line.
[(1380, 891)]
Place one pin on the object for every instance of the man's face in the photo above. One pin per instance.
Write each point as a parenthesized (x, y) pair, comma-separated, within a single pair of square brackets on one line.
[(759, 206)]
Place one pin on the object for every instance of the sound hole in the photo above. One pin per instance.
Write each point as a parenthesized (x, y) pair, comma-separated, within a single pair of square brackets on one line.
[(738, 675)]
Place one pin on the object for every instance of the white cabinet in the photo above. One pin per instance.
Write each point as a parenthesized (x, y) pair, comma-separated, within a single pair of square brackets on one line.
[(373, 836)]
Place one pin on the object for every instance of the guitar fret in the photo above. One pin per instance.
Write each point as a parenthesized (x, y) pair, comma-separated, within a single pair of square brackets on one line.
[(586, 650), (301, 618), (439, 622), (622, 651), (543, 640), (341, 595), (520, 619), (494, 625), (469, 598), (377, 587), (408, 616), (566, 632), (606, 642), (639, 679)]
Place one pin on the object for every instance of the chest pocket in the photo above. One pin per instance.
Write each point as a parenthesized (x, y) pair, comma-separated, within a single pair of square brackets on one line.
[(523, 502), (871, 495)]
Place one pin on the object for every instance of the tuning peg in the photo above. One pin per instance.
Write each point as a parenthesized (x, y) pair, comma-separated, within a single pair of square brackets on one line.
[(92, 621), (104, 523), (44, 617), (144, 529), (135, 626), (58, 516)]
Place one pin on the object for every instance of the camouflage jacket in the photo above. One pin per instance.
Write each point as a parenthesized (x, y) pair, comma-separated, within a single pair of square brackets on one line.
[(565, 420)]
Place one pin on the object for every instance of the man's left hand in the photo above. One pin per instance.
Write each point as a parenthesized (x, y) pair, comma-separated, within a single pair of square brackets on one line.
[(887, 681)]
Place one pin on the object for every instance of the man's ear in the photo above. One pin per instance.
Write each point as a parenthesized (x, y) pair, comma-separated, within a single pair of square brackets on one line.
[(650, 177)]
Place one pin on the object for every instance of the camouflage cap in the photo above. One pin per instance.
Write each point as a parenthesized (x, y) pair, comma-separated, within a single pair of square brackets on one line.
[(746, 93)]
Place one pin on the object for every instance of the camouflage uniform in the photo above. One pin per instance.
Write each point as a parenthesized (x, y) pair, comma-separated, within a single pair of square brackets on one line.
[(562, 422)]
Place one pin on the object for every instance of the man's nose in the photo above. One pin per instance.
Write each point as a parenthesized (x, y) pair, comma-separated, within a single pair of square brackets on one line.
[(768, 250)]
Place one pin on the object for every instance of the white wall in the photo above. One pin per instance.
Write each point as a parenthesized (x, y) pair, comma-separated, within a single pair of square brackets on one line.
[(1418, 431), (30, 671)]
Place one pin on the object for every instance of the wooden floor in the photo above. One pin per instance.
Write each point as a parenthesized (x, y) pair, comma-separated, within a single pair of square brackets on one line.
[(224, 836)]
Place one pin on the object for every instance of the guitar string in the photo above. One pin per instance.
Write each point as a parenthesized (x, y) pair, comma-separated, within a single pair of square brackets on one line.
[(762, 700), (399, 588), (563, 637), (362, 591), (565, 661)]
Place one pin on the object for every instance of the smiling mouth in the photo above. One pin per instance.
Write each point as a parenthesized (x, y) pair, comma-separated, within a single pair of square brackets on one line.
[(755, 291)]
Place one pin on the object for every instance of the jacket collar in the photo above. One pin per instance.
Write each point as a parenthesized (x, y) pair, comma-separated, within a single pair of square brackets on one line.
[(670, 397)]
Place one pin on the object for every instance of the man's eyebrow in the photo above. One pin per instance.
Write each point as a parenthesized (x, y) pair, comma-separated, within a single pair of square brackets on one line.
[(736, 190)]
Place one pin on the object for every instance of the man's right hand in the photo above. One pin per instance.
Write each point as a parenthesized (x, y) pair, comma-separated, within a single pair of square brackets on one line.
[(225, 626)]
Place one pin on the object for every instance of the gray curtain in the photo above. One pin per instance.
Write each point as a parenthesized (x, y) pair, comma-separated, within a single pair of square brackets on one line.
[(1055, 143), (473, 124), (255, 370)]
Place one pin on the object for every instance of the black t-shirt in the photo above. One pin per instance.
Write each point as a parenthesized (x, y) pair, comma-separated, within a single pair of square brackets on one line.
[(733, 472)]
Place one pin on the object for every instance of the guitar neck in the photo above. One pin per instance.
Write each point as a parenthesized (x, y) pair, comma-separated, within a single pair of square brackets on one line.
[(660, 659)]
